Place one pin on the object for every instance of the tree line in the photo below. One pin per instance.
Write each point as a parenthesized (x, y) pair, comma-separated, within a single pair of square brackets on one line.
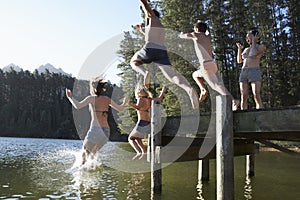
[(228, 23), (35, 105)]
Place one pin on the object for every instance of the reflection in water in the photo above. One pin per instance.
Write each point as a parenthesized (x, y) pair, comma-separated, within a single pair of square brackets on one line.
[(248, 188), (199, 190), (42, 169), (135, 186)]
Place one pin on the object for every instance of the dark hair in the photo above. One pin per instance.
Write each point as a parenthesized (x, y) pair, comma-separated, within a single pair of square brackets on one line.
[(156, 13), (97, 87), (255, 32), (201, 26)]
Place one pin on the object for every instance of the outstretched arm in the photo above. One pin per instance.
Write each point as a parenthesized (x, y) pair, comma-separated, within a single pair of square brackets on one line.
[(162, 94), (147, 9), (139, 28), (138, 104), (117, 106), (76, 104), (186, 35)]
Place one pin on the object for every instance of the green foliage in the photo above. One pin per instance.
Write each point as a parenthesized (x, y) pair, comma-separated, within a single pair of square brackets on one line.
[(35, 105), (229, 22)]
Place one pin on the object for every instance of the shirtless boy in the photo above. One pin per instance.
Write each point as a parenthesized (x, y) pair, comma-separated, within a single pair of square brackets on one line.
[(208, 67), (155, 51)]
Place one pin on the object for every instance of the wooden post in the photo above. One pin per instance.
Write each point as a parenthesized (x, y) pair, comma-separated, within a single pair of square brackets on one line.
[(224, 148), (250, 165), (203, 170), (155, 142)]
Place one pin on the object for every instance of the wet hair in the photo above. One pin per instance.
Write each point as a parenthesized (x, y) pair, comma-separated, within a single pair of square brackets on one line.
[(255, 32), (201, 26), (97, 87), (156, 13)]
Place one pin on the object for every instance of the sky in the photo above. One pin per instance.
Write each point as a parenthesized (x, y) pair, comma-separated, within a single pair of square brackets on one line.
[(63, 33)]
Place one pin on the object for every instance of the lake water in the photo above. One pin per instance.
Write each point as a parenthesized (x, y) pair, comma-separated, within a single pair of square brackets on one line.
[(42, 169)]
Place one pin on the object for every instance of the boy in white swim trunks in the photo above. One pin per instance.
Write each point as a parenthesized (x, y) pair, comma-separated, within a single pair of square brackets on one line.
[(208, 67)]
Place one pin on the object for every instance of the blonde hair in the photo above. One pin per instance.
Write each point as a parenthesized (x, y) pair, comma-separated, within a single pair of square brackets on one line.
[(142, 89)]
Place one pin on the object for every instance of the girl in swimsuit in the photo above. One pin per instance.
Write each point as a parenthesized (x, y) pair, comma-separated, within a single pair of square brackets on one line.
[(251, 73), (143, 126), (98, 134)]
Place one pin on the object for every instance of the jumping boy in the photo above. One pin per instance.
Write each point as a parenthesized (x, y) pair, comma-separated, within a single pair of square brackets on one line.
[(155, 51), (208, 67)]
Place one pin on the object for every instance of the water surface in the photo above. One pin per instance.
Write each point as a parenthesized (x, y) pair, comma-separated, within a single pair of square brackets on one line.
[(41, 169)]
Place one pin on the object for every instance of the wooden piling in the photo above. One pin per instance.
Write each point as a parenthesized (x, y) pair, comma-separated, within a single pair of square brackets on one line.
[(155, 144), (224, 148), (203, 170), (250, 165)]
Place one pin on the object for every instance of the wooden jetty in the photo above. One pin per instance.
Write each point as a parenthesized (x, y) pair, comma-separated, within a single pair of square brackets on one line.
[(220, 135)]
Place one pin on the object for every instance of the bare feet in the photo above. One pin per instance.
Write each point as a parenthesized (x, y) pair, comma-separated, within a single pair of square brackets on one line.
[(235, 104), (194, 98), (142, 155), (137, 156), (203, 96)]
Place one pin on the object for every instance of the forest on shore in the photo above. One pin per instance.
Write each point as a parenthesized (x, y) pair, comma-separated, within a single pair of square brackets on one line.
[(34, 104)]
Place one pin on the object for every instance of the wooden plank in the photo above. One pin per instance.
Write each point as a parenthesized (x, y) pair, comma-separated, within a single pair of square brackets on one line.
[(280, 148), (170, 153), (267, 121), (272, 124)]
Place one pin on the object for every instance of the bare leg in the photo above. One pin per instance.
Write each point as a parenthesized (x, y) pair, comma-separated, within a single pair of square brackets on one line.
[(83, 157), (200, 82), (179, 80), (244, 95), (221, 89), (137, 65), (132, 141), (142, 147), (256, 86)]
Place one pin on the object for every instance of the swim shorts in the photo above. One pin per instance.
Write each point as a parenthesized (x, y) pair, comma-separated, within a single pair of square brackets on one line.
[(207, 69), (141, 130), (152, 52), (97, 135), (250, 74)]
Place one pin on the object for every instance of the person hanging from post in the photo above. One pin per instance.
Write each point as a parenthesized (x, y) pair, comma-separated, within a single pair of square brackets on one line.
[(208, 66), (98, 133), (251, 72), (143, 125), (155, 51)]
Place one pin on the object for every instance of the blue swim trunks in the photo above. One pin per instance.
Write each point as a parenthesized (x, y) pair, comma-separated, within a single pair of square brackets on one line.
[(141, 129), (250, 74), (152, 52)]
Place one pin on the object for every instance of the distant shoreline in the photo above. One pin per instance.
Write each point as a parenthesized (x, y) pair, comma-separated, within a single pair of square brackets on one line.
[(270, 149)]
